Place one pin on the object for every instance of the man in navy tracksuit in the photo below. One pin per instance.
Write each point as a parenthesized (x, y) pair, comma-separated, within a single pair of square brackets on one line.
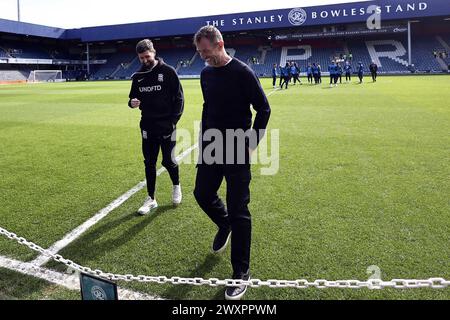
[(274, 75), (285, 71), (360, 72), (295, 72), (229, 87), (315, 71), (340, 71), (333, 70), (348, 71), (319, 71), (309, 73), (288, 69), (157, 92)]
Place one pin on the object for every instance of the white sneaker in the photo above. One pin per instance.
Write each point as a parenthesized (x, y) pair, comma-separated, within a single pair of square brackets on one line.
[(149, 204), (176, 194)]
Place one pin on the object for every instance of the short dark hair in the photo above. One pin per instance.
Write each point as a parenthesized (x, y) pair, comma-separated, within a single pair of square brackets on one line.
[(145, 45), (209, 32)]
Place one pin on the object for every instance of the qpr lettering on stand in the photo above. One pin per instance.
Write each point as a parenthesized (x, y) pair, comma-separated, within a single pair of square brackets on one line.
[(150, 89)]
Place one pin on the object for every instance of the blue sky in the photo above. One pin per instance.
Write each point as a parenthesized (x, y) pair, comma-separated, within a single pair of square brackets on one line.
[(84, 13)]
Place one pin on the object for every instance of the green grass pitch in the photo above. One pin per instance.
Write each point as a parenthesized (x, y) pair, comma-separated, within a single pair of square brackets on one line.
[(363, 180)]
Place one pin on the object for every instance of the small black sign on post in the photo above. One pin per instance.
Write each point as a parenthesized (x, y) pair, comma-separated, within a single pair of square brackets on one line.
[(93, 288)]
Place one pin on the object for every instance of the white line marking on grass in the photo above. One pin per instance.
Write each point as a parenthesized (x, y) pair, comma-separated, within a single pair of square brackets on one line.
[(77, 232), (70, 282), (273, 91)]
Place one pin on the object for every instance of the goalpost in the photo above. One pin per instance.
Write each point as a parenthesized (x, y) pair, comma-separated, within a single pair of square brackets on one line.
[(45, 76)]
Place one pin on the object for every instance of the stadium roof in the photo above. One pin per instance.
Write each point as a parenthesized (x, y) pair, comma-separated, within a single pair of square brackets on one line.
[(271, 19)]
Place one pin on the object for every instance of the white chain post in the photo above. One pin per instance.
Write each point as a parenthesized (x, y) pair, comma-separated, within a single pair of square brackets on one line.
[(435, 283)]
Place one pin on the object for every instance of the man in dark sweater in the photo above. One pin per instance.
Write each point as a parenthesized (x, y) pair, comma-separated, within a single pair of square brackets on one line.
[(229, 87), (373, 71), (157, 92)]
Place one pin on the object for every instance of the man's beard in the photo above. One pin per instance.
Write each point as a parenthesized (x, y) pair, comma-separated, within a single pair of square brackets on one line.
[(148, 66)]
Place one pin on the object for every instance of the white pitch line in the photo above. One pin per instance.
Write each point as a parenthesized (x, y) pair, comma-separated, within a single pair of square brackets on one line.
[(70, 282), (273, 91), (77, 232)]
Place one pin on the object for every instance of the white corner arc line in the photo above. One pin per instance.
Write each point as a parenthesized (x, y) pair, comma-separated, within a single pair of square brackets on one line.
[(70, 282), (78, 231), (272, 92)]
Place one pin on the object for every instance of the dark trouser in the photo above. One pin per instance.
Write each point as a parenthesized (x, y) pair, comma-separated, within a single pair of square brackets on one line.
[(310, 78), (374, 76), (348, 76), (334, 78), (274, 80), (236, 214), (281, 80), (285, 81), (296, 78), (316, 78), (340, 78), (150, 149), (320, 78), (360, 76)]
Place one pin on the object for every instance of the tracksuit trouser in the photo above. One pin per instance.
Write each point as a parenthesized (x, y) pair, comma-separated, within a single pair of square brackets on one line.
[(151, 145)]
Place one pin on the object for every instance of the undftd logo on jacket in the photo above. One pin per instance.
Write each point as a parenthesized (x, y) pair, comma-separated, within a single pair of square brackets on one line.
[(150, 89)]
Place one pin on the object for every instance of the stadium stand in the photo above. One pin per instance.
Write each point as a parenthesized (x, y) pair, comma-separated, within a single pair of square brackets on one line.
[(26, 50), (194, 68), (389, 53), (423, 58), (174, 57), (13, 75), (113, 65), (4, 53), (272, 55)]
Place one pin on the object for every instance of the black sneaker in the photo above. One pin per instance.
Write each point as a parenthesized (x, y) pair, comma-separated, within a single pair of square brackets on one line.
[(236, 293), (221, 240)]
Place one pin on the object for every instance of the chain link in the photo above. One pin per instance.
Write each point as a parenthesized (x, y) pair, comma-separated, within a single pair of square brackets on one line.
[(435, 283)]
